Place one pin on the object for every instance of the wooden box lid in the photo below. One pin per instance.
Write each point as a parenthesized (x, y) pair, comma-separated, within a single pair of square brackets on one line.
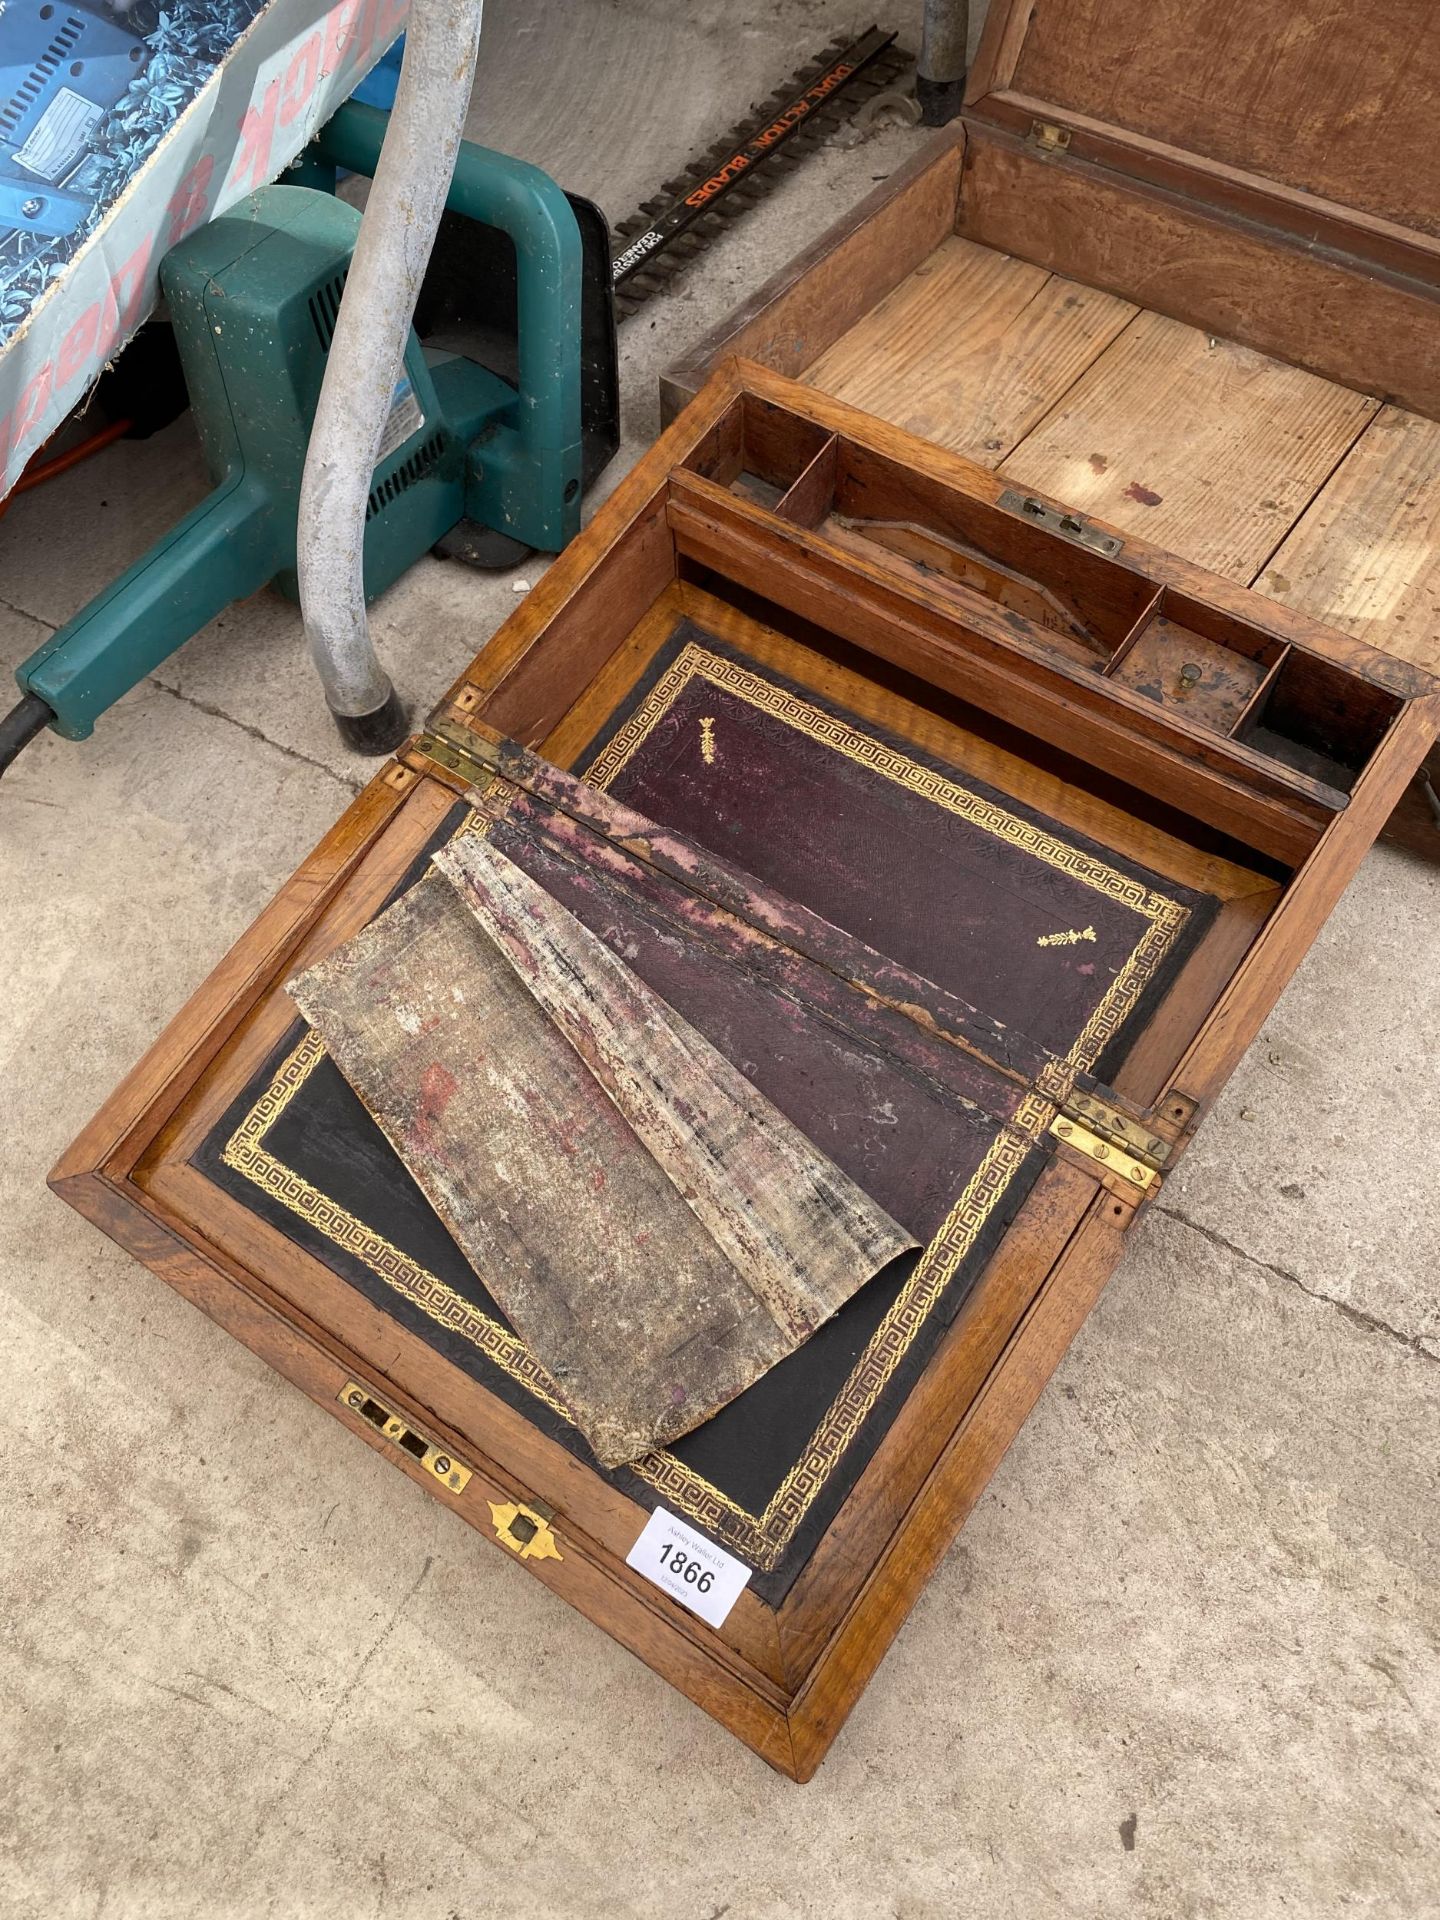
[(1317, 113)]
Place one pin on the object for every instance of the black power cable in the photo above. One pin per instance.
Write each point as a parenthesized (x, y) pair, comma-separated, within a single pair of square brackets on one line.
[(20, 726)]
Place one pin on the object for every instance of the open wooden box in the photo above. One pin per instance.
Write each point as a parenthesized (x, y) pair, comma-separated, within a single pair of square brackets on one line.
[(1177, 267), (1100, 799)]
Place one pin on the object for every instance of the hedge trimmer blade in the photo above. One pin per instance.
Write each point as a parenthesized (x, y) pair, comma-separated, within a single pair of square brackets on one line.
[(667, 232)]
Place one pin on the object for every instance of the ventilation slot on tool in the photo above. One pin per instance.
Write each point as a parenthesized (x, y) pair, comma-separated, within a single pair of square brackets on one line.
[(325, 309), (33, 85), (405, 475)]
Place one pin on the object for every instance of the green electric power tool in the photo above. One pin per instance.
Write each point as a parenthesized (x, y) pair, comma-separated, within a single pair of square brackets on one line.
[(488, 457)]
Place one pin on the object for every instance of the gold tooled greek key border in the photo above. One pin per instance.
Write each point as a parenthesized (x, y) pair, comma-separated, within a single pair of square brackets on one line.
[(759, 1538)]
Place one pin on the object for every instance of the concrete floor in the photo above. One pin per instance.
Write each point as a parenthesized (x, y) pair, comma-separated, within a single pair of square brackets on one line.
[(1182, 1663)]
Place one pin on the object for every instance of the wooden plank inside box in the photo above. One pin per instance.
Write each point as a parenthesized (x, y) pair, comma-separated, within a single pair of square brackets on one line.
[(1085, 740), (1179, 268)]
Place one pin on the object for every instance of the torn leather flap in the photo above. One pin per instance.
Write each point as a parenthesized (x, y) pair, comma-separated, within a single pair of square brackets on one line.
[(777, 1208), (656, 1231)]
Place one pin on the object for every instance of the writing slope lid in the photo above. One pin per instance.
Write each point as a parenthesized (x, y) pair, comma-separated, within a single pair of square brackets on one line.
[(1315, 101), (960, 1112)]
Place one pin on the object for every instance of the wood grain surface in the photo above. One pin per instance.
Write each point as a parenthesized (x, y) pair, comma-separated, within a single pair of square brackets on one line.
[(1330, 97), (1211, 449), (810, 302), (1365, 556), (972, 349), (1319, 497)]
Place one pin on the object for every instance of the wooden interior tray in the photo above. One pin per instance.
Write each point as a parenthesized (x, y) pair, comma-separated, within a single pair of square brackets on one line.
[(1178, 268), (1084, 805)]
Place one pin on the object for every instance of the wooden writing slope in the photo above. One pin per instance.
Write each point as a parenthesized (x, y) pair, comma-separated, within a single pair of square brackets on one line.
[(1177, 267), (1035, 817)]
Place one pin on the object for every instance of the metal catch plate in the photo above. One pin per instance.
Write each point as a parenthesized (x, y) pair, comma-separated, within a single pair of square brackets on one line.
[(525, 1530), (436, 1461), (1047, 138), (1123, 1165), (1070, 526)]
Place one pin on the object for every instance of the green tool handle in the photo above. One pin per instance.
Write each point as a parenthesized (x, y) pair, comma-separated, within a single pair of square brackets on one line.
[(220, 552), (531, 490)]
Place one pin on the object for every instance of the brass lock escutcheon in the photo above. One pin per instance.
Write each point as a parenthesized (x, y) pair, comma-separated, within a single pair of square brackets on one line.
[(525, 1530), (437, 1461)]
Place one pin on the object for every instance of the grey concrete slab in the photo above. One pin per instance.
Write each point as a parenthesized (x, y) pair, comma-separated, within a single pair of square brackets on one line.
[(127, 875), (1182, 1662), (1323, 1156), (612, 101), (19, 637)]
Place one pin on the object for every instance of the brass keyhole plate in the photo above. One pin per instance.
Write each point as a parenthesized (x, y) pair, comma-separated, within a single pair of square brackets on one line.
[(524, 1530)]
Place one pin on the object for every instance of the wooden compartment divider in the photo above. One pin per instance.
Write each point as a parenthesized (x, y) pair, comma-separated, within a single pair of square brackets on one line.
[(1137, 626), (809, 496), (1260, 696), (1007, 668)]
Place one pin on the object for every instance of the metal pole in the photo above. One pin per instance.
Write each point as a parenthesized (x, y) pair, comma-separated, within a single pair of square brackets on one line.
[(940, 70), (391, 252)]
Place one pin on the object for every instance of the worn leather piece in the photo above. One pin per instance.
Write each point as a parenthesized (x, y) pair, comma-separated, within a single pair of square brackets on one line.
[(656, 1230), (901, 1128)]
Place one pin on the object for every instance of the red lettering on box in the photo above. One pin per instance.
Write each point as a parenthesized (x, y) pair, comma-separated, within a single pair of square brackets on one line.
[(191, 201), (257, 138), (301, 78), (77, 349)]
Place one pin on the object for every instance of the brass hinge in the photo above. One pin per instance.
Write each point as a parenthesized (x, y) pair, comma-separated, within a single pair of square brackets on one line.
[(449, 747), (1047, 138), (525, 1530), (1131, 1136), (1125, 1166), (440, 1464)]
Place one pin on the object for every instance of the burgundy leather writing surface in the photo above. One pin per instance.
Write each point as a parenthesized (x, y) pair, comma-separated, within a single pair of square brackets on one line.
[(1025, 920)]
